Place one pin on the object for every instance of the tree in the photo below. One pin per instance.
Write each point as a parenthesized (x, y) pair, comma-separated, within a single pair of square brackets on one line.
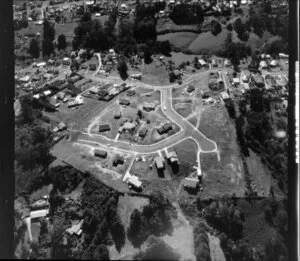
[(34, 48), (57, 19), (101, 253), (62, 43), (229, 27), (140, 114), (147, 55), (122, 68), (215, 27), (49, 32), (48, 47)]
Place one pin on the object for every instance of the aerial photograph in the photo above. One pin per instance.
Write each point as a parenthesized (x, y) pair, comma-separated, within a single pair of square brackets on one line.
[(151, 129)]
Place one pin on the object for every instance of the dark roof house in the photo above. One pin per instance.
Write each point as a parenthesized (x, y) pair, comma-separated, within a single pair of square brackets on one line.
[(104, 127)]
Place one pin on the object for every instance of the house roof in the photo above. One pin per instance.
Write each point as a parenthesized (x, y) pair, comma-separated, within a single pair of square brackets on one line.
[(190, 183), (133, 180), (75, 229), (39, 213), (159, 162)]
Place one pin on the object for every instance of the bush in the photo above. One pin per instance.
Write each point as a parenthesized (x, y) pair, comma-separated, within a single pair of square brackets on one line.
[(216, 28)]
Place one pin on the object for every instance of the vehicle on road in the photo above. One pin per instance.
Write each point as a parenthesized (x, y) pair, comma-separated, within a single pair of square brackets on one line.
[(164, 108)]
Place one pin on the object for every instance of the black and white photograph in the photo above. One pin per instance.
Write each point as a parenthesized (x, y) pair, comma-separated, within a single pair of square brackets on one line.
[(150, 130)]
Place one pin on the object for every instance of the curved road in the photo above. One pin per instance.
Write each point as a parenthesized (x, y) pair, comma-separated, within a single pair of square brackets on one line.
[(187, 129)]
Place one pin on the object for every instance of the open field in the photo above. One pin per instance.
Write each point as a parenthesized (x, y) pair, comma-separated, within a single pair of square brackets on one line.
[(226, 176), (81, 157), (155, 73), (178, 40), (207, 41)]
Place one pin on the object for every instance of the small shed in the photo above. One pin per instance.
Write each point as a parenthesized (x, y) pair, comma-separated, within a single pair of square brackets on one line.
[(124, 102), (143, 132), (190, 183), (100, 153), (135, 182), (104, 127), (224, 96)]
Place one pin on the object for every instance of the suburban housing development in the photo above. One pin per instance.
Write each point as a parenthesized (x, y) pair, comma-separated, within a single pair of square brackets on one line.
[(152, 129)]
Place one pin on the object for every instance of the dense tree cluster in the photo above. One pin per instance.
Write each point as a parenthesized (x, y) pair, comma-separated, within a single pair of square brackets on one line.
[(19, 24), (154, 219), (61, 42), (201, 241), (122, 68), (187, 14), (241, 30), (226, 217)]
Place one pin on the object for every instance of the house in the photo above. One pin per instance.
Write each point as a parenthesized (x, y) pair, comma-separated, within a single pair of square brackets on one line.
[(172, 156), (124, 102), (283, 56), (39, 213), (93, 67), (104, 127), (245, 78), (190, 88), (236, 81), (263, 65), (118, 160), (164, 128), (159, 163), (224, 96), (100, 153), (227, 63), (94, 90), (72, 104), (26, 78), (42, 64), (60, 95), (131, 92), (75, 229), (62, 126), (47, 93), (258, 80), (129, 126), (135, 182), (117, 114), (149, 106), (143, 132), (190, 184), (202, 62), (273, 63), (137, 76), (214, 63)]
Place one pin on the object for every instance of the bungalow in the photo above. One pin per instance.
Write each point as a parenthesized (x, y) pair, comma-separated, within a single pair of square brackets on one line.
[(118, 160), (236, 81), (190, 183), (149, 106), (61, 95), (42, 64), (94, 90), (104, 127), (258, 80), (227, 63), (26, 78), (117, 114), (75, 229), (39, 213), (131, 92), (137, 76), (129, 126), (159, 163), (273, 63), (202, 63), (143, 132), (124, 102), (214, 63), (100, 153), (135, 182), (62, 126), (263, 65), (47, 93), (172, 156), (190, 88), (224, 96)]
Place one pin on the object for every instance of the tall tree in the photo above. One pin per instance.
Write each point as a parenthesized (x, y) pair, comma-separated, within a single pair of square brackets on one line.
[(47, 47), (122, 68), (49, 31), (62, 43), (34, 48)]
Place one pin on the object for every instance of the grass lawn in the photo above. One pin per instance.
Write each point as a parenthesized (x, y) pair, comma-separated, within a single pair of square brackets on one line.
[(226, 176), (155, 73), (178, 40), (81, 156), (207, 41)]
